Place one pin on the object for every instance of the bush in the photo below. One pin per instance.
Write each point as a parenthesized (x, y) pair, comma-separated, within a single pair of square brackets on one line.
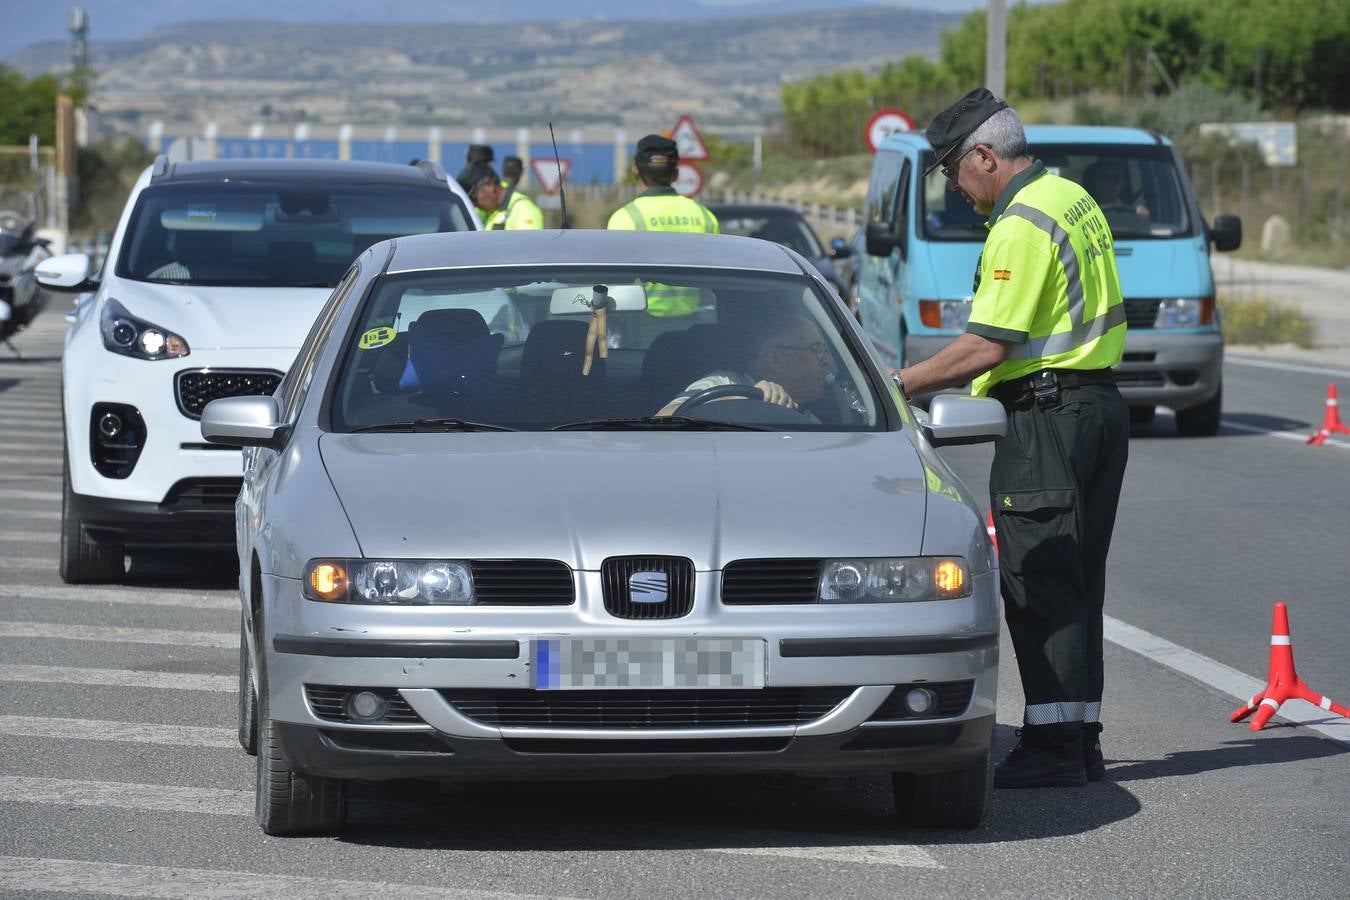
[(1259, 321)]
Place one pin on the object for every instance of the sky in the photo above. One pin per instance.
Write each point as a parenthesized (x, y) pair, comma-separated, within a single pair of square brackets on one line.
[(25, 22)]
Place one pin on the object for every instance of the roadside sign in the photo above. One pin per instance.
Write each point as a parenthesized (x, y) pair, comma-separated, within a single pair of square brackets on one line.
[(688, 141), (689, 181), (546, 172), (885, 121)]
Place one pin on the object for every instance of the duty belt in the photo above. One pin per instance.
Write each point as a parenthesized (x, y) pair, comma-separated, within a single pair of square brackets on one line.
[(1044, 386)]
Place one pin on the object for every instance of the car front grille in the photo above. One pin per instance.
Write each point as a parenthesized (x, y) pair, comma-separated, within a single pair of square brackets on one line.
[(647, 709), (952, 699), (194, 388), (1141, 313), (330, 702), (754, 581), (522, 582), (203, 493), (648, 587)]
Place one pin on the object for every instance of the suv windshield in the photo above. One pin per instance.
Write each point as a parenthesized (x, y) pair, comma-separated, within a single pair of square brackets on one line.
[(256, 235), (1136, 186), (520, 348)]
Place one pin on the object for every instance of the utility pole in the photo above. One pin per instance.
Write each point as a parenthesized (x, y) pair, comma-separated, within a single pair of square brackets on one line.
[(996, 49)]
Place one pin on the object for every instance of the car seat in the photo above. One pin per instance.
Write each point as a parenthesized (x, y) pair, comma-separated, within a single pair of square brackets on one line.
[(675, 360), (452, 357), (552, 386)]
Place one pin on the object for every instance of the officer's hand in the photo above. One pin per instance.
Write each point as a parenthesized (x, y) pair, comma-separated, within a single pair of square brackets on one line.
[(774, 393)]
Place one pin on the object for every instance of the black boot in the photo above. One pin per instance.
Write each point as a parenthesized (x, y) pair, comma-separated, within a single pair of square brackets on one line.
[(1046, 756), (1093, 762)]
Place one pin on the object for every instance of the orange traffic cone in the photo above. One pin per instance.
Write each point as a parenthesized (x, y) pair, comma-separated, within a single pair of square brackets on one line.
[(1331, 422), (1283, 682)]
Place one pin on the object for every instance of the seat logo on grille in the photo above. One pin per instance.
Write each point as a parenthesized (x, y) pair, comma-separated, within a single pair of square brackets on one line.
[(648, 587)]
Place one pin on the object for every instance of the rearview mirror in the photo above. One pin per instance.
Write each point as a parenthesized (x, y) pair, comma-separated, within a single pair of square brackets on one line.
[(243, 422), (577, 300), (1226, 233), (68, 273), (957, 419)]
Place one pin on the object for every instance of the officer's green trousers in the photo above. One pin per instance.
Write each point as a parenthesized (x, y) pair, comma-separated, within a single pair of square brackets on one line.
[(1054, 486)]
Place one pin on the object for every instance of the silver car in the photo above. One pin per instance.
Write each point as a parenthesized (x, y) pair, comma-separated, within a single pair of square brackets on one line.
[(510, 516)]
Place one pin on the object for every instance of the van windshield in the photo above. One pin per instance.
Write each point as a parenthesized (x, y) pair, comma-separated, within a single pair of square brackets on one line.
[(1136, 186), (274, 235)]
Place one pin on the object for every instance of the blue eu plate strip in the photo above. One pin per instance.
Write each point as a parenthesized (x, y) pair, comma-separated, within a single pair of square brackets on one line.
[(547, 655)]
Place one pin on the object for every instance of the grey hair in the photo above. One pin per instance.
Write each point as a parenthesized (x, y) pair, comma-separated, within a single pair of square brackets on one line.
[(1002, 132)]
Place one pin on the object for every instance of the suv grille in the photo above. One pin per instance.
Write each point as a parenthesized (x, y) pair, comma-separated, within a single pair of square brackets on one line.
[(747, 581), (646, 709), (524, 582), (665, 586), (204, 493), (194, 388), (1141, 313)]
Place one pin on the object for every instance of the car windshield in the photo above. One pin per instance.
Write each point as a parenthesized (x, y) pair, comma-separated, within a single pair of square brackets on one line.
[(1137, 188), (254, 235), (674, 349), (780, 226)]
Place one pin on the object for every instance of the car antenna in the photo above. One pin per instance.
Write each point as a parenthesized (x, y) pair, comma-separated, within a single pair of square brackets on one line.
[(562, 197)]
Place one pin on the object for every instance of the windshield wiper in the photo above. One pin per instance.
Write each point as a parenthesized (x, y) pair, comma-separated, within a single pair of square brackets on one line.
[(657, 423), (433, 425)]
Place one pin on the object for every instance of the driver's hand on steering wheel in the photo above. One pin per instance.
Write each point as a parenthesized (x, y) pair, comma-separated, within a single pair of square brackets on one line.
[(774, 393)]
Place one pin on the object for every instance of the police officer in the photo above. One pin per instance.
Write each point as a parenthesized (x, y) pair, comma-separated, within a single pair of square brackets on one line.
[(505, 208), (1047, 323), (660, 208), (513, 169)]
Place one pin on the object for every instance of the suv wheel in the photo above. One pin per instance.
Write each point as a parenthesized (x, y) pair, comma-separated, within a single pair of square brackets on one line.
[(947, 799), (83, 562), (1202, 420), (248, 700), (288, 802)]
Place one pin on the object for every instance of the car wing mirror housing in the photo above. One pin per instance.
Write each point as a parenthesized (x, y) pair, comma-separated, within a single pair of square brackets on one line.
[(1226, 233), (244, 422), (839, 249), (881, 240), (68, 273), (957, 419)]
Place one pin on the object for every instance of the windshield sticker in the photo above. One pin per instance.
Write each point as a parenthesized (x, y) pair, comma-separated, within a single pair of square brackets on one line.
[(201, 212), (376, 337)]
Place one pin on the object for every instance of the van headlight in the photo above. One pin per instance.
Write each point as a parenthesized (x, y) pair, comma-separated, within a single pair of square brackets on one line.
[(1184, 312), (394, 582), (125, 334), (902, 579), (948, 315)]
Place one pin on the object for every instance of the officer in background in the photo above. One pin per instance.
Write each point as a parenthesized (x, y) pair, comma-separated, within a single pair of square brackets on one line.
[(1047, 323), (659, 208), (505, 208), (477, 153), (513, 169)]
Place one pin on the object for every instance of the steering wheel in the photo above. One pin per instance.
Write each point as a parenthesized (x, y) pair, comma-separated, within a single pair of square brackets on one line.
[(719, 392)]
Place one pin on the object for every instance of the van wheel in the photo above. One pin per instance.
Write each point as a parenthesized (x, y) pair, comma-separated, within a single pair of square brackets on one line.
[(1202, 420), (288, 802), (248, 700), (84, 562), (957, 799)]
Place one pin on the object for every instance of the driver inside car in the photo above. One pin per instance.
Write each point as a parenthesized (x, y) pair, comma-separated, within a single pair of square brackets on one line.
[(787, 359)]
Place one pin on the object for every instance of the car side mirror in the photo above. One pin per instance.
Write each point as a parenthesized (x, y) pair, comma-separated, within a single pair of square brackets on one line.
[(1226, 233), (881, 240), (839, 249), (244, 422), (956, 419), (67, 274)]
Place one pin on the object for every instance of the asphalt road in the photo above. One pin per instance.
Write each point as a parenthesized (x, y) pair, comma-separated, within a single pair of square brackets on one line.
[(119, 774)]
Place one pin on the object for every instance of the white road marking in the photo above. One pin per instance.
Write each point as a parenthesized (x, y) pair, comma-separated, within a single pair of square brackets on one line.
[(70, 876), (1284, 367), (170, 681), (24, 494), (45, 514), (119, 795), (26, 562), (1300, 436), (117, 732), (135, 596), (1219, 676), (30, 537), (113, 634), (904, 855)]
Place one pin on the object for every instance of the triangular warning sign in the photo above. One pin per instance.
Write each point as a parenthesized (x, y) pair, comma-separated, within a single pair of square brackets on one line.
[(550, 173), (688, 141)]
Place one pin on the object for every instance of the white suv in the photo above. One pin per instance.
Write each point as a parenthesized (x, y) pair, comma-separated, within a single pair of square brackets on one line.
[(214, 276)]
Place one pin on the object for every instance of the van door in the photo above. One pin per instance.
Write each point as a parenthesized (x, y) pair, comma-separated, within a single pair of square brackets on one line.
[(878, 284)]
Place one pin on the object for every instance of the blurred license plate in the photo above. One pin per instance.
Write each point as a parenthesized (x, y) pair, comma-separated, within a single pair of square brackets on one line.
[(578, 664)]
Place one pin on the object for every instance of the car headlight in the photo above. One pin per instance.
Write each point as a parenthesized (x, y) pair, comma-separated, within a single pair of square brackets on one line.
[(904, 579), (125, 334), (949, 315), (1185, 312), (395, 582)]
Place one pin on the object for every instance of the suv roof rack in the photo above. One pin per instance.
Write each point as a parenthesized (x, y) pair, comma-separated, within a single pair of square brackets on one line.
[(160, 167), (434, 170)]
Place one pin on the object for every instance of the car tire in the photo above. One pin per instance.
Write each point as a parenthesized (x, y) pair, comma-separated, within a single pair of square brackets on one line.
[(1202, 420), (84, 562), (957, 799), (288, 802), (1142, 415), (248, 699)]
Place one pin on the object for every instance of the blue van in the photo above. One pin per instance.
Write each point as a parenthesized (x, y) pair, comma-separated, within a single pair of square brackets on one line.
[(924, 241)]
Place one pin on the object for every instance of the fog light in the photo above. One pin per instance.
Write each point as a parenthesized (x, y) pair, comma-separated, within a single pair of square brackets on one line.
[(110, 425), (920, 701), (367, 706)]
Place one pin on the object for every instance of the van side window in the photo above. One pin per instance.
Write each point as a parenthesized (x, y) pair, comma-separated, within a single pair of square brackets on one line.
[(899, 214), (881, 190)]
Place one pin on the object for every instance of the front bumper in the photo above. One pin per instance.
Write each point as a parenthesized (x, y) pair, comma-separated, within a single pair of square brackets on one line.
[(133, 521), (1168, 369)]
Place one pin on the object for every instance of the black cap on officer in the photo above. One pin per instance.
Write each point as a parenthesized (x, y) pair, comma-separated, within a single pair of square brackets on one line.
[(957, 122), (657, 151), (479, 153), (473, 175)]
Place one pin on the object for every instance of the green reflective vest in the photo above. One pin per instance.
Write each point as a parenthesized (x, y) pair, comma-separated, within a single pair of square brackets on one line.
[(662, 209), (1047, 281), (518, 212)]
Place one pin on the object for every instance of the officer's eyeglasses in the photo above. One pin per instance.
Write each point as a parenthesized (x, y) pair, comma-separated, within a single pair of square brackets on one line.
[(818, 349), (949, 169)]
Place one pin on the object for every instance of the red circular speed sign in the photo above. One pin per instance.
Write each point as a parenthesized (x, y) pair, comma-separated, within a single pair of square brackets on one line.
[(883, 122)]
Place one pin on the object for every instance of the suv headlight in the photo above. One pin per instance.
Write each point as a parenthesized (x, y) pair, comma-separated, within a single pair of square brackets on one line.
[(125, 334), (903, 579), (1185, 312), (394, 582)]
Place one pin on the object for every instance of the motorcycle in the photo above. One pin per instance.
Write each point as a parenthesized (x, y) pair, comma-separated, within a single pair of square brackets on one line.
[(20, 252)]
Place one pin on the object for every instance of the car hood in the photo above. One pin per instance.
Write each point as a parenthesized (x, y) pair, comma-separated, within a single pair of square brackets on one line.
[(212, 318), (1163, 268), (579, 498)]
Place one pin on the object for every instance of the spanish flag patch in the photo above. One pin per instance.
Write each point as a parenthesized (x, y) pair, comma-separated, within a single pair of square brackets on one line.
[(1003, 274)]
